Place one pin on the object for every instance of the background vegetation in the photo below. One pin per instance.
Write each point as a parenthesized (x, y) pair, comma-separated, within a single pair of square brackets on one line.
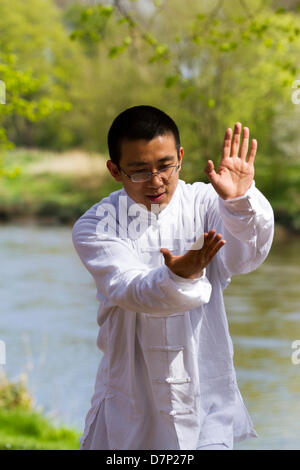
[(70, 67), (23, 427)]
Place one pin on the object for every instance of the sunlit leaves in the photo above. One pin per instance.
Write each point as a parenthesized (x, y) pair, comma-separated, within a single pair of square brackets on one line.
[(161, 54), (93, 22), (171, 80), (228, 46), (116, 50), (150, 39), (25, 95), (211, 103), (268, 42), (200, 17)]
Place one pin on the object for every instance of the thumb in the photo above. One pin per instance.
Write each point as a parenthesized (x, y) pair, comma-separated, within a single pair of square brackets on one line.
[(167, 255), (210, 169)]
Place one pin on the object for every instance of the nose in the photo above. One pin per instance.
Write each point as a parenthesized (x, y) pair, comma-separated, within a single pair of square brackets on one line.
[(156, 180)]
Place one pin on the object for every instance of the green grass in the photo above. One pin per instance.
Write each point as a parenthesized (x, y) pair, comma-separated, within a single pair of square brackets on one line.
[(23, 427), (27, 429)]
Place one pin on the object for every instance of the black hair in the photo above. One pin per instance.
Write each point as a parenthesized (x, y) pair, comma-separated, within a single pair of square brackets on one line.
[(139, 122)]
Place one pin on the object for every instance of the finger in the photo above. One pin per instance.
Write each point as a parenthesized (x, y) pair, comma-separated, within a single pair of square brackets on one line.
[(236, 139), (210, 169), (167, 255), (215, 243), (227, 143), (210, 242), (252, 152), (214, 240), (208, 238), (215, 250), (245, 144)]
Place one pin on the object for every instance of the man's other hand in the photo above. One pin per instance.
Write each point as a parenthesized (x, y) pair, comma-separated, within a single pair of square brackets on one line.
[(193, 261)]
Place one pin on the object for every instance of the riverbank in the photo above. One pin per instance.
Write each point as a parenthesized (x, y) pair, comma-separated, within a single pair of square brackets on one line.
[(57, 188), (22, 427), (52, 186)]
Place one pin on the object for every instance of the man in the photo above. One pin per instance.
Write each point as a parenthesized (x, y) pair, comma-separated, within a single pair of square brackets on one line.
[(167, 379)]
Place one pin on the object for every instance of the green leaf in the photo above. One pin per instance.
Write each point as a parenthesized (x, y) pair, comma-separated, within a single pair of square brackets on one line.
[(106, 10), (268, 42), (150, 39), (94, 36), (228, 46), (197, 39), (74, 35), (186, 92), (85, 14), (211, 103), (239, 19), (171, 80), (162, 49), (114, 51), (127, 41)]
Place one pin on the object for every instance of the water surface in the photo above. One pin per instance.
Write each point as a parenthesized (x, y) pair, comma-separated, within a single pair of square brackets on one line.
[(48, 322)]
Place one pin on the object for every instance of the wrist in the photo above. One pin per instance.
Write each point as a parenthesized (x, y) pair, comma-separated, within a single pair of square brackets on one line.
[(188, 277), (238, 195)]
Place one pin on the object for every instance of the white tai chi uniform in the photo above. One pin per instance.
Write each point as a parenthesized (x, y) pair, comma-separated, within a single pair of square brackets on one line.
[(167, 379)]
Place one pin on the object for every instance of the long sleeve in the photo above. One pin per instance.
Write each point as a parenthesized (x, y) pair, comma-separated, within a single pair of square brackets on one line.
[(127, 282), (247, 225)]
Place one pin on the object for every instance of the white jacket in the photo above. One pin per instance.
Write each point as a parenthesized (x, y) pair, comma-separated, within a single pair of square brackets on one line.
[(166, 379)]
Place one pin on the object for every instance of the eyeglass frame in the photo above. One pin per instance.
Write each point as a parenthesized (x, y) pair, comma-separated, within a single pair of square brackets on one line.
[(151, 173)]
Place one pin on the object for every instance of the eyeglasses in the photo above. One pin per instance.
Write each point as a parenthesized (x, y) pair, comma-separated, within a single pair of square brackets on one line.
[(142, 176)]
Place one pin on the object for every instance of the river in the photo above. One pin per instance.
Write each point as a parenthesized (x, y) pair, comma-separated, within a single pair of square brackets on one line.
[(48, 324)]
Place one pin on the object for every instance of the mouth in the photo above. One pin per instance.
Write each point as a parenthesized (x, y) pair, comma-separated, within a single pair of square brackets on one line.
[(156, 197)]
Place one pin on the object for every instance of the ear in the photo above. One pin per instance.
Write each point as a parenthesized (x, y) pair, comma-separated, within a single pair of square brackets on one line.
[(114, 170), (181, 151)]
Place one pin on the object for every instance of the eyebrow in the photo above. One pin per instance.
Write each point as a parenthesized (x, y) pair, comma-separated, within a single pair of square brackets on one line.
[(164, 159)]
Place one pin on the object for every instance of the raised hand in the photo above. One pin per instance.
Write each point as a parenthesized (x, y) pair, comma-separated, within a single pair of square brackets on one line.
[(235, 174), (193, 261)]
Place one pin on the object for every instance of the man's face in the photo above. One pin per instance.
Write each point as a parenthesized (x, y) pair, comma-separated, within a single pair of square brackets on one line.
[(153, 155)]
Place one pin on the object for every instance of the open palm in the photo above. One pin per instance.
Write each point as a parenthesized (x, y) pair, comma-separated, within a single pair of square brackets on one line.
[(235, 174)]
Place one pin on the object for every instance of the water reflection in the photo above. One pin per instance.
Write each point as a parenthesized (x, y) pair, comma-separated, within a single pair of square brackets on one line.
[(264, 312), (48, 322)]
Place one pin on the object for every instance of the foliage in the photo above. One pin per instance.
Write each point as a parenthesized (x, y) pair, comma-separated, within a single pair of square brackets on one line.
[(23, 427), (14, 394), (35, 65), (225, 60), (23, 99), (59, 197), (52, 196), (207, 65)]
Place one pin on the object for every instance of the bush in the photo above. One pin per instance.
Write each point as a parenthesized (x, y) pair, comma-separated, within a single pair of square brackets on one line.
[(23, 427)]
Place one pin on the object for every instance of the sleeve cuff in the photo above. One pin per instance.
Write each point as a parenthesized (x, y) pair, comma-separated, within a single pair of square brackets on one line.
[(239, 204), (184, 280)]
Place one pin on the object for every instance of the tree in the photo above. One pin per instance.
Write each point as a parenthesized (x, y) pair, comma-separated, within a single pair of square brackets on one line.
[(37, 61), (219, 61)]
